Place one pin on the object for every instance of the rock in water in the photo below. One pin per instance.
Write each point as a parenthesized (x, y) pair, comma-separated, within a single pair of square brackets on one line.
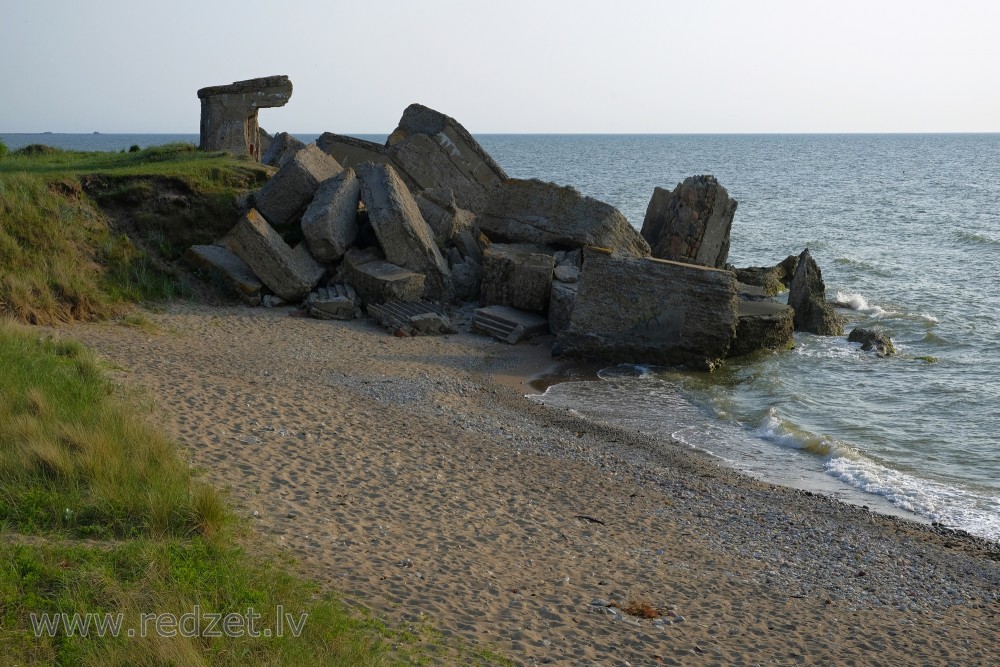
[(401, 230), (286, 195), (330, 223), (763, 325), (692, 223), (807, 295), (772, 279), (872, 339), (645, 310), (533, 211)]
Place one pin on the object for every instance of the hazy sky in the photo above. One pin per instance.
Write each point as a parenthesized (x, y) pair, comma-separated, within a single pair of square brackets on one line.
[(508, 65)]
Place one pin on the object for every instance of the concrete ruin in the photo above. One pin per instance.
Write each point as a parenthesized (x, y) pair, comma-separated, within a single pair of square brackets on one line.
[(229, 113)]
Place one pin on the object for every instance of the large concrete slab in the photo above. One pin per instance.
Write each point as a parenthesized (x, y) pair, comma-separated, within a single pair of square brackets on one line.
[(226, 265), (289, 273), (330, 223), (283, 198), (645, 310), (533, 211), (401, 230), (436, 151)]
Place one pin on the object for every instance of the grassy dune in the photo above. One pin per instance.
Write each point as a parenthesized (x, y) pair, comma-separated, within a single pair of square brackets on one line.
[(84, 234), (99, 513)]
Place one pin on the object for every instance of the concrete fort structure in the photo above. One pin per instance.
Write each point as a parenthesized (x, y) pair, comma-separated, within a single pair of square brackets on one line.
[(229, 113)]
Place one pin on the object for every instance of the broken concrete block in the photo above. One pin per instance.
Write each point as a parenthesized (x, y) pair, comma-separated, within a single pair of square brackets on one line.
[(286, 195), (336, 302), (435, 151), (518, 275), (401, 230), (351, 151), (508, 324), (377, 280), (282, 148), (692, 223), (644, 310), (762, 325), (442, 214), (533, 211), (561, 302), (229, 113), (330, 223), (225, 264), (289, 273), (413, 318)]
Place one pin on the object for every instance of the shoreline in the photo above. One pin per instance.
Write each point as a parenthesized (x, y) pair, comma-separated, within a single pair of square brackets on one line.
[(412, 474)]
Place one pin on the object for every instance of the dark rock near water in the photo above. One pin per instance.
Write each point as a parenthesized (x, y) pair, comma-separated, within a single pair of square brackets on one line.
[(872, 339), (692, 223), (772, 279), (646, 310), (561, 301), (762, 325), (807, 295)]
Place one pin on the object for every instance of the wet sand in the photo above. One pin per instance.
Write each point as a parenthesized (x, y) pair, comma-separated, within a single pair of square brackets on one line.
[(413, 476)]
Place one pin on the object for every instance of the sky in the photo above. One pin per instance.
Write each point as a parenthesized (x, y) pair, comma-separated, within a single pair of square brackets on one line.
[(508, 66)]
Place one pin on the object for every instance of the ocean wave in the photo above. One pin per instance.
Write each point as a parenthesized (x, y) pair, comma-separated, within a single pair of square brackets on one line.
[(625, 371), (958, 508), (786, 434), (856, 301), (867, 267), (973, 237)]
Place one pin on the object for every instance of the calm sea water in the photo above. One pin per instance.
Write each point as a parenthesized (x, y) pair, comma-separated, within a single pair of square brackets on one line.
[(906, 229)]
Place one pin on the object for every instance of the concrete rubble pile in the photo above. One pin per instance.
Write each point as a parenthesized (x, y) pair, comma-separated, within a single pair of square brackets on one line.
[(410, 230)]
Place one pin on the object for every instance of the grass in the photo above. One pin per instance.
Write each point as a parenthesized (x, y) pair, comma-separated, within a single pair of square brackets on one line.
[(99, 514), (82, 235)]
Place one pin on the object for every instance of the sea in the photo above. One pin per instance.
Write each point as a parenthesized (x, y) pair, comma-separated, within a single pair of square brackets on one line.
[(906, 230)]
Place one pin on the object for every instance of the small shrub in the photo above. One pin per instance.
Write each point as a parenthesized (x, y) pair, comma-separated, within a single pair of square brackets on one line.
[(3, 150), (35, 149), (134, 148)]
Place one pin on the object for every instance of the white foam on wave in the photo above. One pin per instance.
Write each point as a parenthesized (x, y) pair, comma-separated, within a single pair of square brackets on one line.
[(858, 302), (957, 508), (786, 434)]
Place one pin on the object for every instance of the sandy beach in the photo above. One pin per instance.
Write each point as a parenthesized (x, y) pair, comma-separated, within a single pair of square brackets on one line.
[(413, 476)]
